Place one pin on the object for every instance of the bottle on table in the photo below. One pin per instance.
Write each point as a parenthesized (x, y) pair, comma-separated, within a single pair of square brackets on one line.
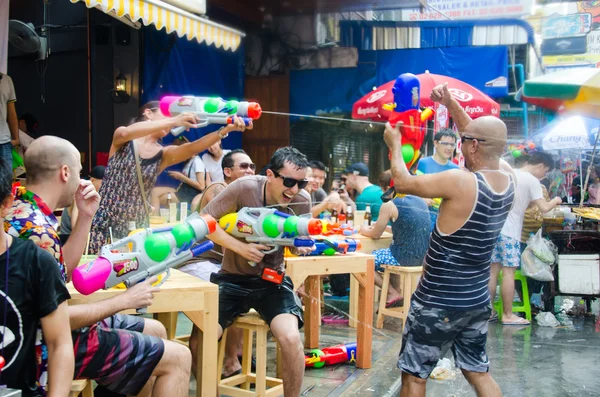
[(350, 216), (368, 216), (169, 201), (334, 216), (341, 218)]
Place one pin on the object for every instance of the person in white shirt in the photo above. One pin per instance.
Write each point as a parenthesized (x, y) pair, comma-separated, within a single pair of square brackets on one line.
[(212, 161), (194, 179), (9, 124), (507, 253)]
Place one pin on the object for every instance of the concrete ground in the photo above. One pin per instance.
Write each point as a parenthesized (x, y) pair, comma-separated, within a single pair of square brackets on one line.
[(525, 361)]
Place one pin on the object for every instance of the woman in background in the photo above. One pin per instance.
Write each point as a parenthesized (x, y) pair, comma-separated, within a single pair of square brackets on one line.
[(411, 227), (194, 178), (125, 201)]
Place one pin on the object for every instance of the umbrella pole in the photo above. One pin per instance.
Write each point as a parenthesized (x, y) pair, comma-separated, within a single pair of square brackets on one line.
[(581, 170), (587, 177)]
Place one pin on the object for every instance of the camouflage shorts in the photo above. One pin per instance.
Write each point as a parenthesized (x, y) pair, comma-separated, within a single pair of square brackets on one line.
[(430, 332)]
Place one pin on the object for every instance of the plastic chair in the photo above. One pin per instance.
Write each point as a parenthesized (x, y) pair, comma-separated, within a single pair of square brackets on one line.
[(523, 307)]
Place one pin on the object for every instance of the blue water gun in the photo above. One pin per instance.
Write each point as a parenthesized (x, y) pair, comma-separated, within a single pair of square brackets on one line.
[(332, 247)]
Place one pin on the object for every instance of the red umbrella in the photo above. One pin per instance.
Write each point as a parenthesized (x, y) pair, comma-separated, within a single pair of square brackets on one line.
[(475, 102)]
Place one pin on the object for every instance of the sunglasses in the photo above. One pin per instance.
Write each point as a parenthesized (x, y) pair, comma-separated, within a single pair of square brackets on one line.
[(291, 182), (245, 166), (470, 138), (447, 144)]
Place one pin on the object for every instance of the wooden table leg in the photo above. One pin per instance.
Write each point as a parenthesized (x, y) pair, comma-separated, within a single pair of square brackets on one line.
[(365, 318), (353, 301), (208, 342), (169, 320), (312, 312)]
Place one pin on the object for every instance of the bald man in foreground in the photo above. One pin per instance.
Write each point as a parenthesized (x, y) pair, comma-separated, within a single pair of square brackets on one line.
[(124, 354), (451, 306)]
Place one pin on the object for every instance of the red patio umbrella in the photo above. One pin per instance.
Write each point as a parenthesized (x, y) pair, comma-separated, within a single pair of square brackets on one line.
[(475, 102)]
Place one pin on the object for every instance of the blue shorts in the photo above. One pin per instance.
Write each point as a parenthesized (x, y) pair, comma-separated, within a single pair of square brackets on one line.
[(507, 252), (6, 153), (384, 257), (430, 332)]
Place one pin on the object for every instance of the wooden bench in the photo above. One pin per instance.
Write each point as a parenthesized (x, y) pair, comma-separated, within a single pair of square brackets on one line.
[(82, 387)]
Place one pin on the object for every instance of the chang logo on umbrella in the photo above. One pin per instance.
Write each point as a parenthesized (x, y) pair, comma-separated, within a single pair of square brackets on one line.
[(376, 96), (460, 95)]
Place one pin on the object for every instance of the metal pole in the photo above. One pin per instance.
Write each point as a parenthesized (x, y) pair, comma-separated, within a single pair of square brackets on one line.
[(587, 177)]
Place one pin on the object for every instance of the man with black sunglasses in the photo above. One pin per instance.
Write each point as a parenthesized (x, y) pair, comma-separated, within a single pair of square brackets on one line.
[(236, 164), (241, 282), (451, 305)]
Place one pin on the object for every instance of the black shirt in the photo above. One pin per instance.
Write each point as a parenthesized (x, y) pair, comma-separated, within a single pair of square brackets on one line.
[(35, 290)]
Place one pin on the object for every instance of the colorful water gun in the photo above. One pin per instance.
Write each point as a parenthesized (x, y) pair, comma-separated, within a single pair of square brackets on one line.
[(154, 251), (17, 160), (209, 110), (271, 227), (407, 96), (518, 150), (332, 247), (331, 355), (330, 229)]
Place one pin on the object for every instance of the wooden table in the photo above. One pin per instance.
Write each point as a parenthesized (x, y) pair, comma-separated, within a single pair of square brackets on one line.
[(197, 299), (362, 268), (369, 245)]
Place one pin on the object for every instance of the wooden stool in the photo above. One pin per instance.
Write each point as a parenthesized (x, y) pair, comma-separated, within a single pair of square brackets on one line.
[(82, 387), (409, 278), (251, 323)]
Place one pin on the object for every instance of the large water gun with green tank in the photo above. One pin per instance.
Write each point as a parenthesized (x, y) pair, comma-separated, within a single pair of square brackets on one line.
[(209, 110), (271, 227), (145, 254)]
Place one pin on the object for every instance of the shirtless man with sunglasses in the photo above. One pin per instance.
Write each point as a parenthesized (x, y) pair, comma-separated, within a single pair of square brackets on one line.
[(241, 286), (451, 305)]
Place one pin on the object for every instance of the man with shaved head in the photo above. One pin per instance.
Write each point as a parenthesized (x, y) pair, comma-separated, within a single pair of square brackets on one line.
[(451, 306), (123, 354)]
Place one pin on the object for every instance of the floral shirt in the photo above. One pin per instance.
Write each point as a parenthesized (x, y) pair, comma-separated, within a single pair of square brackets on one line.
[(31, 218)]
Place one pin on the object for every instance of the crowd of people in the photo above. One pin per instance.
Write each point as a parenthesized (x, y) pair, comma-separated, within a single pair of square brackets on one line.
[(463, 243)]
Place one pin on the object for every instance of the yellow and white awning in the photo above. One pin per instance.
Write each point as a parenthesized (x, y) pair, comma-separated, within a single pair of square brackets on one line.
[(172, 18)]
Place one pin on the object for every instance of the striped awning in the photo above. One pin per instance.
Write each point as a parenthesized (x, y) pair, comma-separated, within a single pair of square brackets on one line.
[(173, 19)]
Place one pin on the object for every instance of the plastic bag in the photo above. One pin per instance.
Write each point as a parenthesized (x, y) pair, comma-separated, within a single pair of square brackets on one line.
[(546, 319), (533, 267), (443, 370), (543, 249)]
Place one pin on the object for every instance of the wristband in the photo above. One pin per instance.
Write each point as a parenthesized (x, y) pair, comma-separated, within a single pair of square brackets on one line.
[(221, 135)]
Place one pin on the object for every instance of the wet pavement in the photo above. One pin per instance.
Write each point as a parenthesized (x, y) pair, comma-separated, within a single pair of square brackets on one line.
[(525, 361)]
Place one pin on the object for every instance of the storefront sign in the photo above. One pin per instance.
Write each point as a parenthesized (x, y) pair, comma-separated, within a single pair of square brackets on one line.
[(582, 60), (567, 45), (593, 42), (454, 9), (573, 25)]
